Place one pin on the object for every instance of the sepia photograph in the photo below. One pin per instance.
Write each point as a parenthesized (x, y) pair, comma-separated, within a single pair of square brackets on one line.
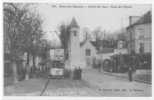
[(77, 49)]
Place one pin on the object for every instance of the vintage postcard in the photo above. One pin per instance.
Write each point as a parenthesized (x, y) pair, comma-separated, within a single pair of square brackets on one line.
[(77, 49)]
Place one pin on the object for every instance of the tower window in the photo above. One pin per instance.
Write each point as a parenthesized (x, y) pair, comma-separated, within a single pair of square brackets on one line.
[(75, 33)]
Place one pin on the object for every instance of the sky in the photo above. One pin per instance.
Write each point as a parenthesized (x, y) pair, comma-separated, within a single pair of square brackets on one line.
[(109, 19)]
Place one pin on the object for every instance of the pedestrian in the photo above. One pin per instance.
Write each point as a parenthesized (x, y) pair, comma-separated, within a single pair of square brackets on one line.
[(130, 74), (80, 73), (99, 66), (131, 66)]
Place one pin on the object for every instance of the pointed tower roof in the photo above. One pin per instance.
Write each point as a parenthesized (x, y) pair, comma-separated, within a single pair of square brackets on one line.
[(74, 23)]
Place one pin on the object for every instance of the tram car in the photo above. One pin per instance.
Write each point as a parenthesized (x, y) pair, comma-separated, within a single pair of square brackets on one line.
[(57, 67)]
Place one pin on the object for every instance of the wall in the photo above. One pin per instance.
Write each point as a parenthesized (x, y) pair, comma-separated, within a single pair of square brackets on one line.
[(140, 34), (143, 34), (85, 58), (120, 51), (74, 49)]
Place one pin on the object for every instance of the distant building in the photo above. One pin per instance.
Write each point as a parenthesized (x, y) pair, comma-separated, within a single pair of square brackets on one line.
[(120, 44), (140, 35), (121, 48), (105, 53)]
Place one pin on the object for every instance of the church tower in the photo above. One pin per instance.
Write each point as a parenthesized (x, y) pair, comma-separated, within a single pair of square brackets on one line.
[(74, 45)]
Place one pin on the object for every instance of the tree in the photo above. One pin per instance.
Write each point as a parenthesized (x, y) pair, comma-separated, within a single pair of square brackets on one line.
[(104, 39), (33, 34), (98, 35), (64, 38), (13, 17), (86, 33), (24, 31)]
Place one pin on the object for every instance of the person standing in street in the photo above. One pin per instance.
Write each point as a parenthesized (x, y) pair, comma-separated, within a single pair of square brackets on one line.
[(131, 66), (130, 74)]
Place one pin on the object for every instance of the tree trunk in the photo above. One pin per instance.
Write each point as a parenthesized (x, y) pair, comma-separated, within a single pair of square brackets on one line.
[(27, 72), (34, 65), (15, 74), (27, 58), (27, 68), (72, 74)]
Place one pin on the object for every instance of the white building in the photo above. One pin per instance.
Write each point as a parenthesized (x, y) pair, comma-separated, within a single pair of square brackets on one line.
[(140, 35), (88, 53), (73, 46), (80, 54), (121, 49)]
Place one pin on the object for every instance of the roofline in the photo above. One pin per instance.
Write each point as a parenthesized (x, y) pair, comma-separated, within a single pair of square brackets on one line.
[(130, 26), (137, 23)]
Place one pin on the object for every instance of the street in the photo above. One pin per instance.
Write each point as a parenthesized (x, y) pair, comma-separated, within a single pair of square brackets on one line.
[(93, 83), (116, 86)]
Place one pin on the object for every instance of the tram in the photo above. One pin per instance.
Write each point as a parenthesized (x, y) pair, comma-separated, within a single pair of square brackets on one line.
[(57, 67)]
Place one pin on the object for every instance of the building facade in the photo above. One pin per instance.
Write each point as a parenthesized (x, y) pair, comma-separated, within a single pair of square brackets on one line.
[(140, 35), (88, 53)]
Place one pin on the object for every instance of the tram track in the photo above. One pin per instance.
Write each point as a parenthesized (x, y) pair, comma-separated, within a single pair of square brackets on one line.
[(45, 87)]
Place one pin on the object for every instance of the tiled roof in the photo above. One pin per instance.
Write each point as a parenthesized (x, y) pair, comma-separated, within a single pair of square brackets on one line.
[(146, 18), (83, 42), (92, 42)]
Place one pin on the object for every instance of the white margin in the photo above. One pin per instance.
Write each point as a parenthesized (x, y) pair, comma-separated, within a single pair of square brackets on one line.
[(66, 98)]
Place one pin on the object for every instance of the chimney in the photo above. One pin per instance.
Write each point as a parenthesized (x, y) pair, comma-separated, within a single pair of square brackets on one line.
[(133, 19)]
